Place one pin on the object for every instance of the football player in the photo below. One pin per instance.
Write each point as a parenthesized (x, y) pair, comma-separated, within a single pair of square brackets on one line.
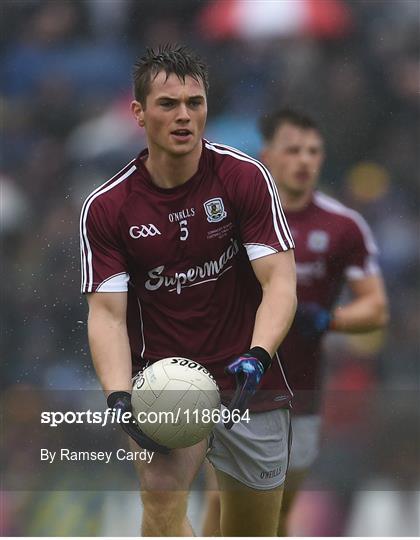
[(186, 251), (334, 245)]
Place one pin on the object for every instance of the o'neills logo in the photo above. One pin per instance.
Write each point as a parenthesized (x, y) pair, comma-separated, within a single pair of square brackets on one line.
[(209, 271)]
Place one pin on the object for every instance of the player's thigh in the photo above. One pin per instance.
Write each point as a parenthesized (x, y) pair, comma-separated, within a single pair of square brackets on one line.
[(212, 490), (212, 497), (246, 511), (211, 522), (210, 477), (172, 472), (294, 481)]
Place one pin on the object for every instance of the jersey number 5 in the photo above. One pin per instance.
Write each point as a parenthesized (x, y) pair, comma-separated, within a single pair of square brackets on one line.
[(183, 229)]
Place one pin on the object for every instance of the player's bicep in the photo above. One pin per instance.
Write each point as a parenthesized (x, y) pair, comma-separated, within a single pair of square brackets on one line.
[(369, 286), (279, 267), (108, 305)]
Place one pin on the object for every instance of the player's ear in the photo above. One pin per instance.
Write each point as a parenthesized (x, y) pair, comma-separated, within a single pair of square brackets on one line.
[(138, 112)]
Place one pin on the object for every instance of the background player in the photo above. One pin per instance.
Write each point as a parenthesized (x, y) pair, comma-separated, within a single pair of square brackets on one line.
[(186, 251), (333, 245)]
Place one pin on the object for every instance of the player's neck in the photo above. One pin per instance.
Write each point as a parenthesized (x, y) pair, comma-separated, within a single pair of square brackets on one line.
[(171, 171), (295, 202)]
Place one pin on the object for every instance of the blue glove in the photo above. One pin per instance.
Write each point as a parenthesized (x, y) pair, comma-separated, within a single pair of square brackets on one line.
[(248, 370), (311, 320), (122, 401)]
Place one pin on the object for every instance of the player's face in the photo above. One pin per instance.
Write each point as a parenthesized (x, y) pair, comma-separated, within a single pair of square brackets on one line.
[(174, 114), (295, 157)]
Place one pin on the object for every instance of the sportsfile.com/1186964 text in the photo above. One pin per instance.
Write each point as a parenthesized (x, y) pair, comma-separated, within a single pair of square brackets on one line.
[(112, 416)]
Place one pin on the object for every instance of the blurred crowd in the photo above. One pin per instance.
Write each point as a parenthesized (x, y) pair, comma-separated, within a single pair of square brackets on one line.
[(65, 89)]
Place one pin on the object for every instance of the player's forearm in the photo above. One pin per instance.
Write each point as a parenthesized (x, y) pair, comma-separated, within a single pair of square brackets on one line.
[(274, 316), (361, 315), (109, 345)]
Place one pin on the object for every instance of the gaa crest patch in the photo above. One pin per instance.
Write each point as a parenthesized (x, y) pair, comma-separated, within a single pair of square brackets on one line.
[(215, 210), (318, 241)]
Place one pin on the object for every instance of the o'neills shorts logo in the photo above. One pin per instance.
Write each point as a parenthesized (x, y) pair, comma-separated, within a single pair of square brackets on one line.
[(209, 271), (271, 474)]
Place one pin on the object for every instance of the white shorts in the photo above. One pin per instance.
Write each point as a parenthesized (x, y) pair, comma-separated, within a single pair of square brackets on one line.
[(305, 441), (256, 453)]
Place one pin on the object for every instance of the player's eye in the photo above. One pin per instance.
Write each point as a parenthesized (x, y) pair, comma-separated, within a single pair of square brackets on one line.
[(167, 104), (195, 103)]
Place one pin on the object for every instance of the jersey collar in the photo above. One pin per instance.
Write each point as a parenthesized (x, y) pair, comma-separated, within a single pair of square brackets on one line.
[(186, 186)]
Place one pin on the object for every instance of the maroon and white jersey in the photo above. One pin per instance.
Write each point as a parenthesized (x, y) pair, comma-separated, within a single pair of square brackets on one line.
[(184, 256), (334, 244)]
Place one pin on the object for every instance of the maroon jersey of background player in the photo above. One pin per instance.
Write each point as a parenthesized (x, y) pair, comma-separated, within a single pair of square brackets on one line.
[(333, 243), (184, 256)]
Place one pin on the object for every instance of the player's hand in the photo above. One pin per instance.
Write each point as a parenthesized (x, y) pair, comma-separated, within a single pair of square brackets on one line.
[(122, 401), (311, 320), (248, 370)]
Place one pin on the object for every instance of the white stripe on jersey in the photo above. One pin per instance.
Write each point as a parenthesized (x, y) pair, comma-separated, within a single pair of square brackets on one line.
[(277, 211), (141, 328), (331, 205), (86, 252)]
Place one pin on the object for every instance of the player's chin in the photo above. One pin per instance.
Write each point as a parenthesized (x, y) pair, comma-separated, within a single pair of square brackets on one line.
[(299, 187), (297, 190), (181, 149)]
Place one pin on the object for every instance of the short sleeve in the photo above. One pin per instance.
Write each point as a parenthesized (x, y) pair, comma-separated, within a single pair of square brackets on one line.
[(362, 251), (103, 263), (263, 226)]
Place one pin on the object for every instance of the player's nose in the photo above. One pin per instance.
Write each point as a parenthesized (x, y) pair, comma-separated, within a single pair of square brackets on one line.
[(305, 157), (182, 113)]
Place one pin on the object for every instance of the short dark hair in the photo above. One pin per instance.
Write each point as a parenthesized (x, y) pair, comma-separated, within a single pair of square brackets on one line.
[(175, 59), (270, 122)]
